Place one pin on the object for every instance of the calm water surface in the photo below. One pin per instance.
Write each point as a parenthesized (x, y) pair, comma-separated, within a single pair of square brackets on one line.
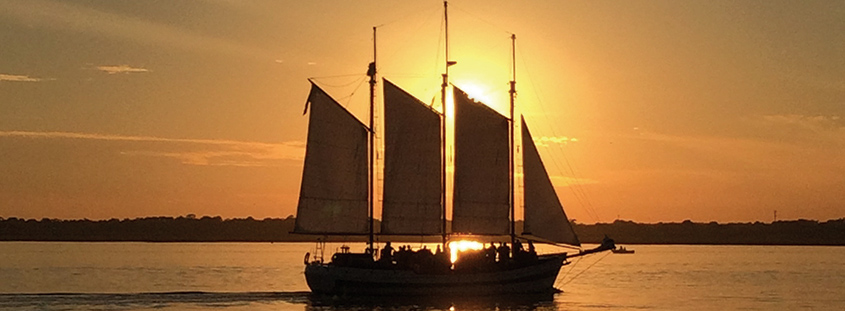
[(264, 276)]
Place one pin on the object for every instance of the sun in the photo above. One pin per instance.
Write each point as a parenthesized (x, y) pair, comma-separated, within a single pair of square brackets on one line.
[(478, 92)]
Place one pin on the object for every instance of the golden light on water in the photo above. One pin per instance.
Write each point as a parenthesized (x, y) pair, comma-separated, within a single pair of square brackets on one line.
[(458, 246)]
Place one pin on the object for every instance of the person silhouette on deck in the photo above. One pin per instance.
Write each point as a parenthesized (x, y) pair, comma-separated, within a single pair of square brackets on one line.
[(442, 260), (490, 254), (531, 250), (504, 253), (386, 253)]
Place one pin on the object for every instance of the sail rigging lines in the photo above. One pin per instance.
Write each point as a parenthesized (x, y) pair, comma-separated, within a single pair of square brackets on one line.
[(404, 38), (482, 159), (489, 23), (563, 280), (579, 192), (332, 185), (336, 76), (340, 181), (347, 99), (406, 17)]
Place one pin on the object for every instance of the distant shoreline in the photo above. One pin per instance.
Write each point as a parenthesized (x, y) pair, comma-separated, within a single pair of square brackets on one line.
[(217, 230), (271, 242)]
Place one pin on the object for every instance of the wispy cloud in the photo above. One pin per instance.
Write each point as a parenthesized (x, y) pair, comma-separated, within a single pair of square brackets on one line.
[(121, 69), (791, 142), (819, 130), (818, 123), (125, 138), (545, 141), (199, 151), (19, 78), (248, 158), (69, 16)]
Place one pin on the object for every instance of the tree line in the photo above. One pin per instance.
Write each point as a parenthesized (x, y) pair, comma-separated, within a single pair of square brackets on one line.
[(216, 229), (793, 232)]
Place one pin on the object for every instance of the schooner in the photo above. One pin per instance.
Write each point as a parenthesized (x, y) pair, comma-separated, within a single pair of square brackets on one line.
[(336, 195)]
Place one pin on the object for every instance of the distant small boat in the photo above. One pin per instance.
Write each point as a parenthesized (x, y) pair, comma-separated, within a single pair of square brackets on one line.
[(622, 250)]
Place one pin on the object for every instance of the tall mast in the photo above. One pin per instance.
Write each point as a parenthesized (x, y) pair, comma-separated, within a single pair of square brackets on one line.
[(443, 87), (512, 147), (371, 71)]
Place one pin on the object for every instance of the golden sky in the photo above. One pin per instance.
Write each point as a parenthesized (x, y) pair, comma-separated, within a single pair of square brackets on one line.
[(643, 110)]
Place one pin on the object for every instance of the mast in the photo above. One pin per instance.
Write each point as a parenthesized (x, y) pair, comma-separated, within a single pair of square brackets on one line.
[(443, 87), (512, 147), (371, 71)]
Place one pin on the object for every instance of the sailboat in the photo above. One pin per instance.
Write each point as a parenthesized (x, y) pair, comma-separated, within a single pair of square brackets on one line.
[(336, 197)]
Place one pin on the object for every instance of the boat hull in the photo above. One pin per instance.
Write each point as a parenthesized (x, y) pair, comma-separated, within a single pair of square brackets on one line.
[(349, 281)]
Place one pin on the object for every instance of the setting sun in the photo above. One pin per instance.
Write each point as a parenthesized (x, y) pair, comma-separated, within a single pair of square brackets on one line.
[(480, 93)]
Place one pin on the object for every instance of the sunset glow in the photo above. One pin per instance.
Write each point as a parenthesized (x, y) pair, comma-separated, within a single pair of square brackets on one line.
[(646, 111), (482, 93)]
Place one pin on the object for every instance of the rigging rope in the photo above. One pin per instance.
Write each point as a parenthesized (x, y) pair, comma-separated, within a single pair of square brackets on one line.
[(358, 87), (391, 55), (582, 271), (337, 76), (407, 16), (577, 189), (348, 98), (499, 28), (571, 267)]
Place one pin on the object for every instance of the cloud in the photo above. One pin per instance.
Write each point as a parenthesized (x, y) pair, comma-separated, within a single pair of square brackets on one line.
[(545, 141), (817, 123), (211, 152), (71, 17), (121, 69), (19, 78), (800, 144), (252, 158), (818, 131)]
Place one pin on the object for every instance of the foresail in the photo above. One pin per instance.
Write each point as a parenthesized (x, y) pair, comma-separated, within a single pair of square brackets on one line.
[(333, 195), (411, 165), (481, 169), (544, 215)]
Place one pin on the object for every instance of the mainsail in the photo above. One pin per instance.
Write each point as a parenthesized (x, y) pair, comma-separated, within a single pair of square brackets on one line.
[(411, 165), (544, 215), (333, 195), (481, 169)]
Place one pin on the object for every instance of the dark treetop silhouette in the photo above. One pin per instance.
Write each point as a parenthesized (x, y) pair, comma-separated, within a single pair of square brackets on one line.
[(216, 229)]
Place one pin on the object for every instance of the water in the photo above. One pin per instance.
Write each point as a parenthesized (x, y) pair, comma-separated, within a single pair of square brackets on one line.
[(264, 276)]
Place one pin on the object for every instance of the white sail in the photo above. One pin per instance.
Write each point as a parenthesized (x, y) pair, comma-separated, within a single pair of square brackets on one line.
[(544, 215), (333, 196), (481, 169), (411, 165)]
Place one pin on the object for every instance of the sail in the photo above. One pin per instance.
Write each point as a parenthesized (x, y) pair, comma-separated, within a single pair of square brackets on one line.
[(412, 165), (333, 195), (544, 215), (481, 194)]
